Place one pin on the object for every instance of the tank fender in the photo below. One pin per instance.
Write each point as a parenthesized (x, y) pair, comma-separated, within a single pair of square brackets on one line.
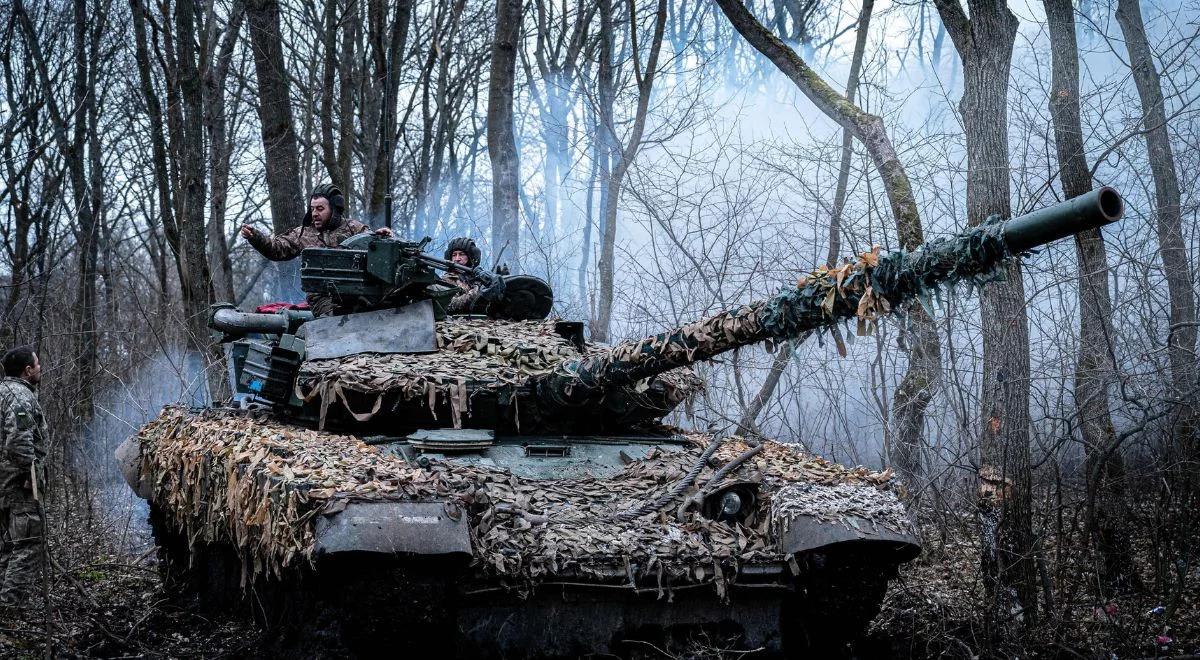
[(419, 528), (805, 533), (128, 455)]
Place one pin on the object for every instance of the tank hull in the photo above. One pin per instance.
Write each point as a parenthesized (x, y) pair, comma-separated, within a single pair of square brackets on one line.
[(494, 547)]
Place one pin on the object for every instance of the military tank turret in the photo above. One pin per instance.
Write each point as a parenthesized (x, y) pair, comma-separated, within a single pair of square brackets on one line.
[(394, 476)]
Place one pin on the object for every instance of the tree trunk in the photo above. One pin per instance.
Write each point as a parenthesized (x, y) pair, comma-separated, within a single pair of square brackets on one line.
[(1181, 347), (278, 132), (985, 44), (1093, 368), (191, 196), (158, 141), (501, 135), (22, 213), (220, 150), (843, 181), (605, 147), (589, 213), (326, 119), (622, 157), (387, 45), (924, 370), (348, 77)]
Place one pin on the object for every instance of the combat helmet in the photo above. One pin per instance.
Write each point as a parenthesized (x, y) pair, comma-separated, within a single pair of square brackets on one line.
[(336, 200), (464, 244)]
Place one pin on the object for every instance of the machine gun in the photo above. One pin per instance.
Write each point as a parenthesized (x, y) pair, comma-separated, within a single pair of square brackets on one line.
[(368, 272), (387, 297)]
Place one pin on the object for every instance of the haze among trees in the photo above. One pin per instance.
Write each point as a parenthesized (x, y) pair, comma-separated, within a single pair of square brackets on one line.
[(657, 161)]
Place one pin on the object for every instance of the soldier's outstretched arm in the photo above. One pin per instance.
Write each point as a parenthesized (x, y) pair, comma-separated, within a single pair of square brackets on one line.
[(281, 247)]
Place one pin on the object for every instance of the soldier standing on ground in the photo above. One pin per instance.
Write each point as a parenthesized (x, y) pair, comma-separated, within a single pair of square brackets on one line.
[(22, 481), (475, 292), (324, 225)]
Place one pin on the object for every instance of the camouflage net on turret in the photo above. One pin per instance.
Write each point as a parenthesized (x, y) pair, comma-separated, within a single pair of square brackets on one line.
[(472, 354), (224, 476)]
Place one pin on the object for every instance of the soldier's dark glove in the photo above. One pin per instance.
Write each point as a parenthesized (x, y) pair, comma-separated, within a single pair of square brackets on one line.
[(493, 291), (485, 276)]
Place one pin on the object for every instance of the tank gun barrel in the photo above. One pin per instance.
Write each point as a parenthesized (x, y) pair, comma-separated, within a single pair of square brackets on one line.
[(1089, 211), (867, 289)]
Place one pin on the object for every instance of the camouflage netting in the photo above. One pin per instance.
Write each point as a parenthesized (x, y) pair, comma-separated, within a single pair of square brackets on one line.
[(260, 484), (864, 289), (473, 354)]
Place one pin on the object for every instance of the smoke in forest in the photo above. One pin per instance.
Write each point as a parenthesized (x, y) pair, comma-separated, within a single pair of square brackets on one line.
[(172, 376)]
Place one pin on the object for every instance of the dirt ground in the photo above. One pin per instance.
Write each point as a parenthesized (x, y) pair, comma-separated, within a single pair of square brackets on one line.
[(106, 599)]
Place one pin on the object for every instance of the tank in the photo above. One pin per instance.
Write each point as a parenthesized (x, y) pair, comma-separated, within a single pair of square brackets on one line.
[(395, 477)]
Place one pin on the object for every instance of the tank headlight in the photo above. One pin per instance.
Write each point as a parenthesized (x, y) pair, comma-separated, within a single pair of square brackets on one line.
[(731, 504)]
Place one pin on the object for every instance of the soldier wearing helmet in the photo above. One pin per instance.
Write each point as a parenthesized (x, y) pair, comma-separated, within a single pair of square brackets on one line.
[(325, 225), (477, 291)]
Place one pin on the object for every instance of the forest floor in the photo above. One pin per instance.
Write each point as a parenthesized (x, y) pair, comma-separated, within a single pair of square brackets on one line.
[(934, 609), (107, 600), (106, 597)]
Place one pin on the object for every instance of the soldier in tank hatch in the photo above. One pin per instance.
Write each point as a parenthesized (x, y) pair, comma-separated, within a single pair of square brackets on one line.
[(475, 293), (324, 225), (23, 438)]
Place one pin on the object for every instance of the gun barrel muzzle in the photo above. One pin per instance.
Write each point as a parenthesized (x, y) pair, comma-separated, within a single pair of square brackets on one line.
[(1088, 211)]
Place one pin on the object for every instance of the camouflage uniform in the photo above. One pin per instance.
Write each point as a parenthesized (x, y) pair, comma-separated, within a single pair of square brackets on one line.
[(23, 438), (288, 245), (467, 301)]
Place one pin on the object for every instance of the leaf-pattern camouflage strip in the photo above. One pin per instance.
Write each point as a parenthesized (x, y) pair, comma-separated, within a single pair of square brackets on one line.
[(472, 354), (259, 484)]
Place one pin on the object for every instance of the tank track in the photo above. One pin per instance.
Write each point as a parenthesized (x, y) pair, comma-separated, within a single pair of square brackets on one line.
[(367, 605)]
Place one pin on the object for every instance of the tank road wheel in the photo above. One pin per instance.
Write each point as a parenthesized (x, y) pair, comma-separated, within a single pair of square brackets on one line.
[(837, 596), (211, 573), (365, 606), (172, 550)]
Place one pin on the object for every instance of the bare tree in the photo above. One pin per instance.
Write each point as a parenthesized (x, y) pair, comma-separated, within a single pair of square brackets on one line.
[(191, 192), (77, 137), (32, 176), (1094, 368), (501, 138), (1176, 265), (621, 153), (924, 371), (561, 36), (386, 35), (278, 130), (985, 44), (215, 73)]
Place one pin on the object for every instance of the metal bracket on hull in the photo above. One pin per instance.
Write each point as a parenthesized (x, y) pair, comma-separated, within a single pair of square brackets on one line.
[(420, 528), (128, 455), (407, 329), (808, 533)]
